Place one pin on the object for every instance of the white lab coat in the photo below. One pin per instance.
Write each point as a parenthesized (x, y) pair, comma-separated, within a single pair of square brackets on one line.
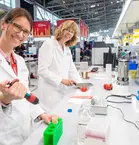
[(54, 65), (16, 122)]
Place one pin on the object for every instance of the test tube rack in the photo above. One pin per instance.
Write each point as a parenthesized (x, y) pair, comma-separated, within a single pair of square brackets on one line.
[(53, 133)]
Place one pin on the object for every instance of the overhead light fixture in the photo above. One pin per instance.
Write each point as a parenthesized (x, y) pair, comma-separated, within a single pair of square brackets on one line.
[(64, 2), (98, 5), (26, 1), (126, 6), (96, 12), (111, 2), (92, 6), (117, 1)]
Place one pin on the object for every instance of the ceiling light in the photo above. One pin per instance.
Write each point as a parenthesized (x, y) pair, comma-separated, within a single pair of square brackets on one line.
[(92, 6), (63, 1), (111, 2), (98, 5), (117, 1)]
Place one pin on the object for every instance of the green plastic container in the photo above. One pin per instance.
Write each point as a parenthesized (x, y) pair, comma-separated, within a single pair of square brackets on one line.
[(53, 133)]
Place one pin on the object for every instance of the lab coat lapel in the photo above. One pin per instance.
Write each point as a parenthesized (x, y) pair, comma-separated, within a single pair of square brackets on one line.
[(65, 52), (19, 65), (58, 47), (4, 64)]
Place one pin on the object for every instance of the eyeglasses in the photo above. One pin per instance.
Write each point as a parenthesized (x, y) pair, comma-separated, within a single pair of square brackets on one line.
[(17, 28)]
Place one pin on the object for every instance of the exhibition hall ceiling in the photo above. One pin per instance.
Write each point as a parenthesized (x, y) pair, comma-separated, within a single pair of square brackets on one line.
[(97, 14)]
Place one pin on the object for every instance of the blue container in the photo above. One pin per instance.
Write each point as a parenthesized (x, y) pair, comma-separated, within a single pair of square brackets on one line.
[(132, 65)]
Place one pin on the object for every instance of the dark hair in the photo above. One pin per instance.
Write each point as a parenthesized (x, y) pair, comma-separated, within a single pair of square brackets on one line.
[(18, 12)]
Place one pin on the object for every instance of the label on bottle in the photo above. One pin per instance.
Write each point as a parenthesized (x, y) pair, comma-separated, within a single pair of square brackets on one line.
[(81, 132)]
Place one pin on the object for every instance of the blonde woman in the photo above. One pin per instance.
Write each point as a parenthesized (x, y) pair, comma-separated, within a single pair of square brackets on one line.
[(56, 68)]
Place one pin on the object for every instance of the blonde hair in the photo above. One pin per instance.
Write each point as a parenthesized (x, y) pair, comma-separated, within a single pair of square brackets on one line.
[(67, 25)]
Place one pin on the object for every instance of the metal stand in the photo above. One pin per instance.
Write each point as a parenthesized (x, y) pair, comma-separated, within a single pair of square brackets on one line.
[(28, 63)]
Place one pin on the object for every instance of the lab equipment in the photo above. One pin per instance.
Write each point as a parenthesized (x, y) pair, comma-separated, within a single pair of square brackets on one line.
[(135, 104), (121, 86), (109, 60), (70, 117), (53, 133), (84, 74), (85, 116), (123, 78), (94, 69), (99, 106), (32, 98), (32, 50), (133, 69), (108, 68), (137, 101), (97, 131), (29, 96)]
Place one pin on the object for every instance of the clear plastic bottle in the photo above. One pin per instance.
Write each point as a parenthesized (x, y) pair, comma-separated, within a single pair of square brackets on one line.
[(70, 120), (85, 116)]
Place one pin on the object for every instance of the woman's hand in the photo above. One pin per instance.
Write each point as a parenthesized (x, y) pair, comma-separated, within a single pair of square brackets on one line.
[(68, 82), (48, 118), (14, 92)]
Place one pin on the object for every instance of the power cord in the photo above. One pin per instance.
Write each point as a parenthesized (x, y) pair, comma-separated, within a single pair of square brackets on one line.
[(120, 102), (34, 88), (124, 117)]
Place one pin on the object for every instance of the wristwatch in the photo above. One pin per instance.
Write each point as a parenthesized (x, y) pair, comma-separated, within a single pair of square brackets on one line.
[(37, 119)]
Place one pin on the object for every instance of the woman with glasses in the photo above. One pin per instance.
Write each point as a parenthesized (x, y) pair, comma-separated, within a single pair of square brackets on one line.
[(56, 68), (17, 116)]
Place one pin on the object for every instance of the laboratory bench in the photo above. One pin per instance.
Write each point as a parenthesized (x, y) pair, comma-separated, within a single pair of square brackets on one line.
[(120, 132)]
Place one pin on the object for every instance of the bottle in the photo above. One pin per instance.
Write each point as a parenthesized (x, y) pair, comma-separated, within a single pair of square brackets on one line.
[(85, 116), (136, 104), (109, 65), (70, 120)]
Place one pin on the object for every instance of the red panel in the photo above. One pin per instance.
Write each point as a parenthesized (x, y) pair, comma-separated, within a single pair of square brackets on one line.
[(85, 31), (41, 29), (81, 28), (59, 22)]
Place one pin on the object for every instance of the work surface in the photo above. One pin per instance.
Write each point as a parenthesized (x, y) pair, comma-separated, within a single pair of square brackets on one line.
[(121, 132)]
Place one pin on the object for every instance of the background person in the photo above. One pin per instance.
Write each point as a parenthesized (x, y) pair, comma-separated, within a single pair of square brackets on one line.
[(56, 69)]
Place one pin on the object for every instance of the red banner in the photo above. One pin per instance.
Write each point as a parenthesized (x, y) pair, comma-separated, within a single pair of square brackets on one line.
[(41, 29), (85, 31), (81, 28), (59, 22)]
